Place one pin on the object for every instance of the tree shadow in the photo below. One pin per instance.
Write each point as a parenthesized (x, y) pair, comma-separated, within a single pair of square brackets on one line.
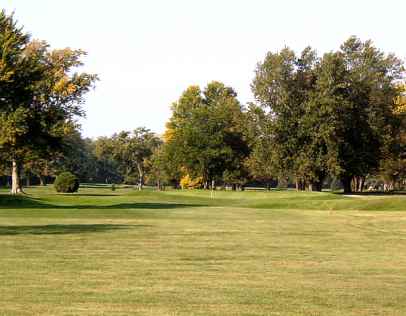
[(105, 186), (25, 202), (95, 185), (374, 193), (90, 195), (122, 206), (63, 229)]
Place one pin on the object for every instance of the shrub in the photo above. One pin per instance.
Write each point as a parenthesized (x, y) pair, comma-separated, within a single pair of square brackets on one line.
[(188, 183), (66, 182)]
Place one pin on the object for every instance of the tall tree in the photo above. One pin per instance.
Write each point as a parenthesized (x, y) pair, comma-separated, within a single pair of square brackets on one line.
[(354, 106), (41, 95), (261, 164), (283, 86), (206, 136), (334, 115)]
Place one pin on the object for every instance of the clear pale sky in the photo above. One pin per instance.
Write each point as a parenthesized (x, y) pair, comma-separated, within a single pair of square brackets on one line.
[(147, 52)]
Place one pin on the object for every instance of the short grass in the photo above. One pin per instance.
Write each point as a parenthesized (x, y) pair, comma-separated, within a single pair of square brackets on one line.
[(126, 252)]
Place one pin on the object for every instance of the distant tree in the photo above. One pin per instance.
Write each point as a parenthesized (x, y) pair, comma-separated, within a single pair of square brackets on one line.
[(261, 164), (393, 165), (76, 156), (107, 167), (158, 168), (37, 167), (334, 115), (354, 109), (205, 135), (283, 87), (133, 150)]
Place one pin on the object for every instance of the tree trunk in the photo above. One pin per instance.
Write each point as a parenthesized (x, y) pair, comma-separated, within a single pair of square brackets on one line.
[(140, 182), (361, 184), (42, 180), (346, 181), (140, 176), (16, 186)]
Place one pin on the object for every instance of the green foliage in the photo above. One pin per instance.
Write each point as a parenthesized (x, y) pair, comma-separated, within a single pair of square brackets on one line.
[(332, 115), (206, 134), (41, 95), (261, 164), (66, 182), (133, 150), (159, 166), (76, 155)]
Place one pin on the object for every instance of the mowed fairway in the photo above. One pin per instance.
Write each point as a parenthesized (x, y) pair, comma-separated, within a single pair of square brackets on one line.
[(126, 252)]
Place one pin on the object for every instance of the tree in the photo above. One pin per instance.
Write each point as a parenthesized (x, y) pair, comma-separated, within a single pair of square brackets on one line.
[(107, 167), (18, 71), (41, 95), (158, 167), (354, 106), (133, 150), (334, 115), (393, 164), (261, 163), (205, 135), (76, 156), (283, 86)]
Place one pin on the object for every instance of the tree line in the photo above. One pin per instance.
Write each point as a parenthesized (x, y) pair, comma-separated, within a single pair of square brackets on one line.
[(339, 117)]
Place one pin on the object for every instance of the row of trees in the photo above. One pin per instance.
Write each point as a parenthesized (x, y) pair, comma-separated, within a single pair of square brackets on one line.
[(126, 157), (340, 116)]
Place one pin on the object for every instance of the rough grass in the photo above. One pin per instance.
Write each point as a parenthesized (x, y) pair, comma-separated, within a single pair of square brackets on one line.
[(126, 252)]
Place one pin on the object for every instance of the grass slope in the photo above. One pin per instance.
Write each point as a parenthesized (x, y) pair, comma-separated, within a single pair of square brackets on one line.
[(126, 252)]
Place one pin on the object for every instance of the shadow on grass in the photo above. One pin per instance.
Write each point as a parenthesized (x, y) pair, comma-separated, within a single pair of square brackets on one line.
[(63, 229), (107, 186), (84, 194), (24, 202), (95, 185), (375, 193)]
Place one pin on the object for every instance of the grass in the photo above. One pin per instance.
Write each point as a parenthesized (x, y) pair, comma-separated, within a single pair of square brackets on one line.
[(126, 252)]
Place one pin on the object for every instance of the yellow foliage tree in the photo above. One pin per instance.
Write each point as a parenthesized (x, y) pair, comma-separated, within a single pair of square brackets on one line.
[(400, 100), (189, 183)]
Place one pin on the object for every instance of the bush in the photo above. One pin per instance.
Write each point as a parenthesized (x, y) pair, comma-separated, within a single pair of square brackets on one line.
[(66, 182), (188, 183)]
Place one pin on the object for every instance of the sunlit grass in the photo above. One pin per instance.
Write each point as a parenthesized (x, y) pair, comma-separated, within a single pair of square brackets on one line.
[(126, 252)]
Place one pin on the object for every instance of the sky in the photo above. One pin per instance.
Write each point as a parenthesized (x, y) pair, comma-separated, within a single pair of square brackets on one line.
[(147, 52)]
